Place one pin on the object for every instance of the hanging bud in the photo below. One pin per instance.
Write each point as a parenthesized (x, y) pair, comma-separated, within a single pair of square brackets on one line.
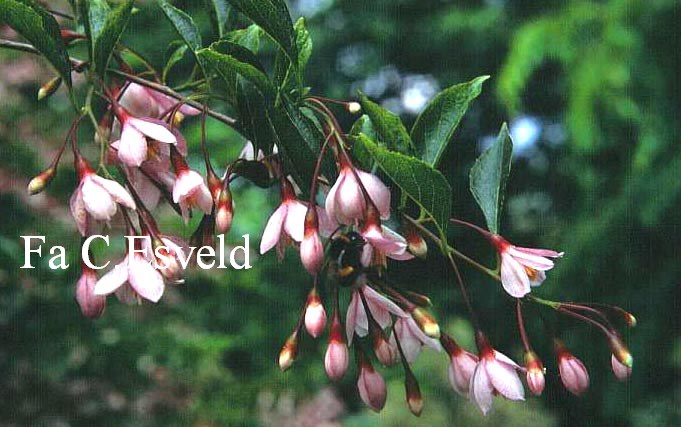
[(535, 373), (620, 351), (91, 305), (386, 353), (462, 365), (353, 107), (315, 315), (370, 384), (49, 88), (418, 299), (311, 248), (621, 371), (573, 373), (225, 210), (42, 180), (630, 319), (426, 322), (288, 352), (68, 36), (416, 245), (413, 392), (336, 358)]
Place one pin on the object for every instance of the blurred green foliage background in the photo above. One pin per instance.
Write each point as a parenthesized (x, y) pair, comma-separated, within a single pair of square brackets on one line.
[(593, 97)]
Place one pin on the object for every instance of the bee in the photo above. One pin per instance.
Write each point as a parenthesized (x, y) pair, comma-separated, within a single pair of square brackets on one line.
[(345, 254)]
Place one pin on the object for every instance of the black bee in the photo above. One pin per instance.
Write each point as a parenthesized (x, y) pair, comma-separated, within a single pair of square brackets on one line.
[(345, 254)]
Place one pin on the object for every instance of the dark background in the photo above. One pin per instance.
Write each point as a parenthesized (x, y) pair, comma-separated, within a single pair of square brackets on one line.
[(592, 95)]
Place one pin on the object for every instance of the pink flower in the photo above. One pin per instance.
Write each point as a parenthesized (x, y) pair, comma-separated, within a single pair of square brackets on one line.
[(371, 387), (412, 338), (357, 322), (573, 373), (96, 198), (171, 251), (190, 190), (535, 373), (621, 371), (136, 271), (386, 241), (311, 248), (142, 101), (289, 217), (132, 145), (336, 357), (494, 373), (315, 315), (91, 305), (462, 365), (522, 268), (345, 201)]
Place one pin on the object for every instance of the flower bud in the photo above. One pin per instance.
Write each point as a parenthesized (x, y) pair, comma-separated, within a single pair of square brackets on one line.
[(68, 36), (288, 352), (418, 299), (386, 353), (225, 211), (315, 315), (49, 88), (462, 365), (311, 248), (371, 386), (414, 399), (535, 373), (573, 373), (42, 180), (426, 322), (354, 107), (336, 358), (415, 242), (91, 305), (621, 371), (620, 351)]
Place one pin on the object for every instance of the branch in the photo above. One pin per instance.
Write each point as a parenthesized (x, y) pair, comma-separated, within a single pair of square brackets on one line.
[(25, 47)]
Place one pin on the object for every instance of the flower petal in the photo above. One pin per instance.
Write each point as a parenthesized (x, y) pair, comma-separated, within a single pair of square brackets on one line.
[(152, 130), (351, 316), (113, 279), (98, 202), (505, 380), (116, 190), (481, 388), (145, 280), (132, 147), (294, 223), (272, 232), (378, 192), (514, 277), (78, 211), (530, 260)]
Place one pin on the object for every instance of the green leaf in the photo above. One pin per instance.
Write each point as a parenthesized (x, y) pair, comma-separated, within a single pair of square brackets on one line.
[(273, 17), (388, 125), (360, 155), (41, 30), (489, 175), (303, 43), (218, 11), (227, 58), (175, 57), (109, 35), (289, 77), (253, 112), (94, 14), (183, 24), (248, 37), (426, 186), (435, 126)]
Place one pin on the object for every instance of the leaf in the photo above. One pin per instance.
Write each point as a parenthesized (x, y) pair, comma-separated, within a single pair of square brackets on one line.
[(252, 110), (273, 17), (289, 77), (218, 11), (426, 186), (388, 126), (489, 175), (41, 30), (248, 37), (303, 43), (185, 27), (109, 35), (360, 155), (175, 57), (227, 58), (94, 14), (435, 126)]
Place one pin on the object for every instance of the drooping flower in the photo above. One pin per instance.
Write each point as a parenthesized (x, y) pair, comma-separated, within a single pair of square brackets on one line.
[(91, 305), (621, 371), (495, 372), (311, 248), (535, 373), (167, 256), (357, 322), (461, 367), (142, 101), (289, 218), (521, 267), (573, 373), (412, 339), (132, 145), (96, 198), (346, 201), (135, 271), (190, 190), (385, 241), (371, 385), (315, 315), (336, 357)]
